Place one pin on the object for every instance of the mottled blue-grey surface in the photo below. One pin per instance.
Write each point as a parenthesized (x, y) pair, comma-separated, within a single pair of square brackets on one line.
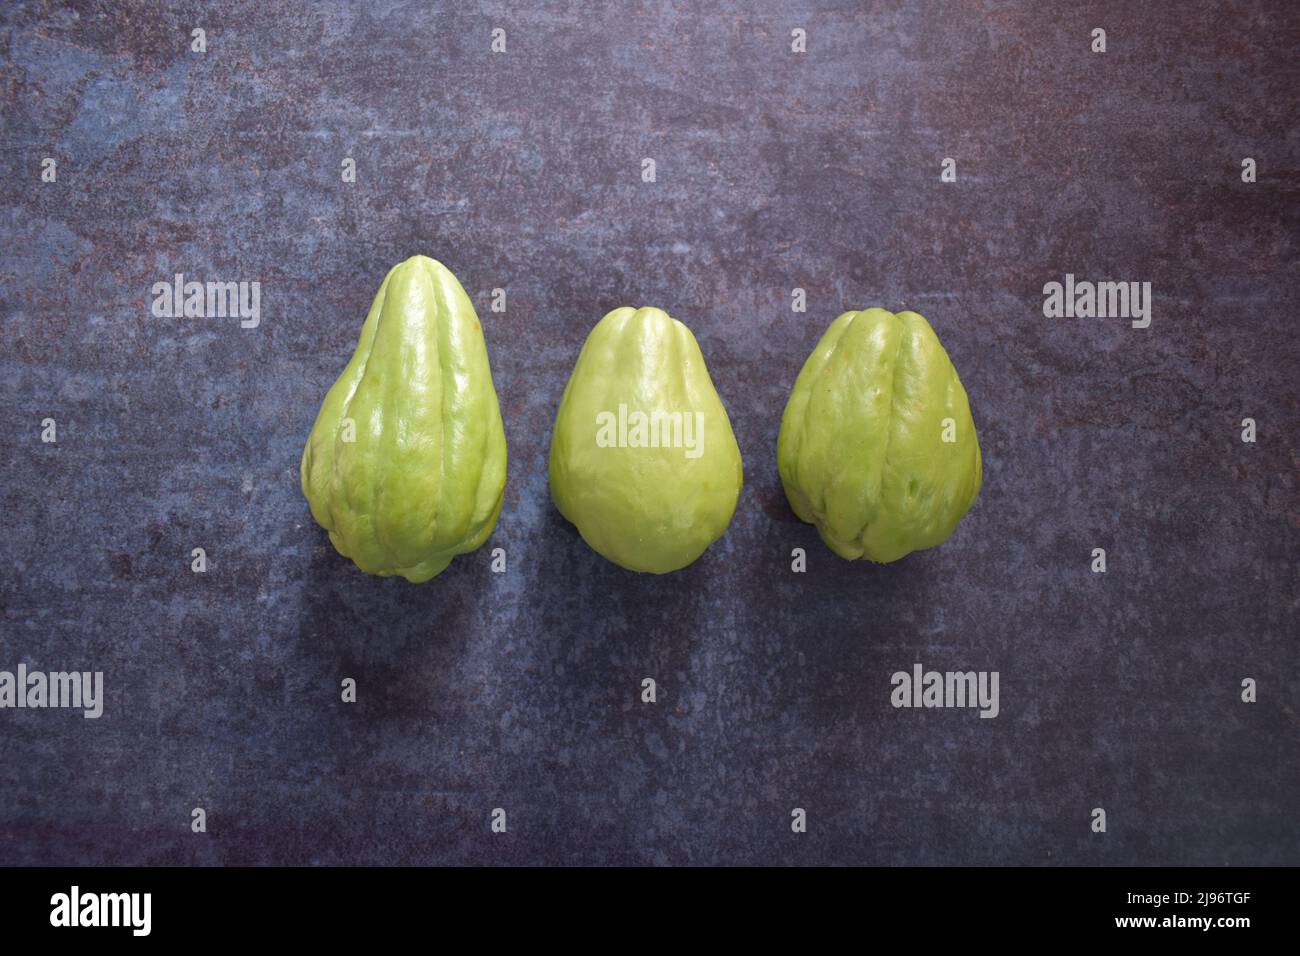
[(775, 170)]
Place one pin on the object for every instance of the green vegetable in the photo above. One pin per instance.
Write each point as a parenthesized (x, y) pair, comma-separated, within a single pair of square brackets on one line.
[(406, 464), (643, 460), (877, 446)]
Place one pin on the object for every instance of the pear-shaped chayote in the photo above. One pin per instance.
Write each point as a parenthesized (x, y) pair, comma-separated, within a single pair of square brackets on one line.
[(877, 446), (406, 464), (643, 460)]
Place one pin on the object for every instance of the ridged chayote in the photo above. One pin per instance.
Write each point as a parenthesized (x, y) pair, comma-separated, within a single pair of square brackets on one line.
[(877, 446), (643, 460), (406, 464)]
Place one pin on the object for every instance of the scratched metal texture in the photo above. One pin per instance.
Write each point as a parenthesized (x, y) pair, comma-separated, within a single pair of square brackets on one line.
[(775, 170)]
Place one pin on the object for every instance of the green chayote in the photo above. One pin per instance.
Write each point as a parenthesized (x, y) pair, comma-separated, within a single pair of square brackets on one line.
[(877, 446), (406, 464), (643, 459)]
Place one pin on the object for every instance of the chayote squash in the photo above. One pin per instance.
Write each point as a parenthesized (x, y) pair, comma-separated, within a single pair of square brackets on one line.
[(877, 446), (406, 464), (643, 460)]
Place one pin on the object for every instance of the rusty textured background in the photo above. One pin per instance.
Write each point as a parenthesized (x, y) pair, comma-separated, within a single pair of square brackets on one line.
[(775, 170)]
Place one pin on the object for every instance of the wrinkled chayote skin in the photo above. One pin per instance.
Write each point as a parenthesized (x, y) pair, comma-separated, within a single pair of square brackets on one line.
[(652, 509), (862, 453), (423, 478)]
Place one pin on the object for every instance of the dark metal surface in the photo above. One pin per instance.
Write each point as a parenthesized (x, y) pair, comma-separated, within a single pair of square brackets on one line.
[(775, 170)]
